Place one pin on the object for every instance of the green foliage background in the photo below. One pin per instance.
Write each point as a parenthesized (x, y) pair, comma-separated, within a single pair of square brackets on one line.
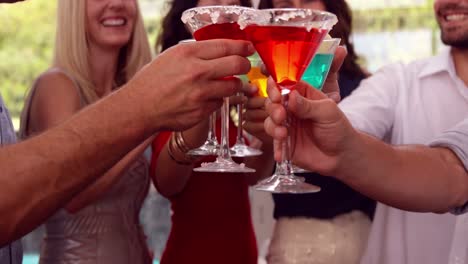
[(26, 39)]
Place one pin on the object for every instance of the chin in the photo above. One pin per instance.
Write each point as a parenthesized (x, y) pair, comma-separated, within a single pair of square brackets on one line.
[(116, 43), (460, 43)]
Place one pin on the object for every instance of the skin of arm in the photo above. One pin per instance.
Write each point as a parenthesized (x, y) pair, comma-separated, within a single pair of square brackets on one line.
[(40, 174), (413, 177), (47, 112), (96, 189), (170, 177), (43, 173)]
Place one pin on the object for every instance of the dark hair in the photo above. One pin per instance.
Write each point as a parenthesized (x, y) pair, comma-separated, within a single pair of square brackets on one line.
[(342, 29), (173, 30), (265, 4)]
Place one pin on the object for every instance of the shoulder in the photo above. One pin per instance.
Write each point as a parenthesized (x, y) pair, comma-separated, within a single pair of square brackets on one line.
[(54, 84), (55, 97), (395, 77), (420, 66), (56, 81), (388, 78)]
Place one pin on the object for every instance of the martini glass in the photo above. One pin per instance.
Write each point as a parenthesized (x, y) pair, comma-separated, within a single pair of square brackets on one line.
[(287, 40), (211, 146), (317, 72), (218, 22), (240, 149), (256, 77)]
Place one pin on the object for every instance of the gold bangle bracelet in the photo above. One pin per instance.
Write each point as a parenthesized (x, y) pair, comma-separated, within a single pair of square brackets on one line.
[(170, 150), (179, 139)]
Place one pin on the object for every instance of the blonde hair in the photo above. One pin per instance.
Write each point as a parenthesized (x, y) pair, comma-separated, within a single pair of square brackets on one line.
[(71, 54), (71, 49)]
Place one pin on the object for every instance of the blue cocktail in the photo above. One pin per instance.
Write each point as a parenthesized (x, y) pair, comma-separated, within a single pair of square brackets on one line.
[(317, 71)]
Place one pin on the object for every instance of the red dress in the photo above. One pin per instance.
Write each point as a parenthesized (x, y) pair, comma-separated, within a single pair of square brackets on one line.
[(211, 220)]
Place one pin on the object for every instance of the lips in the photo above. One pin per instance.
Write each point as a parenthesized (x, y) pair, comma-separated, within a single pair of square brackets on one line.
[(114, 22), (451, 13), (455, 17)]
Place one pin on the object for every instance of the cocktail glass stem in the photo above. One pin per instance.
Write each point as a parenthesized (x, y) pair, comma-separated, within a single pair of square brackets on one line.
[(212, 129), (285, 166), (283, 180), (240, 149), (224, 162), (211, 145), (212, 141), (240, 113), (224, 152)]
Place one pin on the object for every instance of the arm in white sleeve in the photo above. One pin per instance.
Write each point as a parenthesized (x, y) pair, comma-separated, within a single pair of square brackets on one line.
[(456, 139), (371, 107)]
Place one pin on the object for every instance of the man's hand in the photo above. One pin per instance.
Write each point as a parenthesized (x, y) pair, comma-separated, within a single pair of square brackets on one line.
[(317, 121), (255, 115), (186, 83), (320, 132)]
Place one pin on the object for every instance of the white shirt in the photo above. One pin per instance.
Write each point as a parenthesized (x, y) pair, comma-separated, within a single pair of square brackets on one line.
[(457, 140), (409, 104)]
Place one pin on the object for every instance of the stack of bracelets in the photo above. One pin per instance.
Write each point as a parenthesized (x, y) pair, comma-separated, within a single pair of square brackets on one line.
[(177, 150)]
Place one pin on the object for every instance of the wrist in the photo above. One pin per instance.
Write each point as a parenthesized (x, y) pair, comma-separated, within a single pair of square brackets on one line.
[(178, 149), (146, 106), (351, 155)]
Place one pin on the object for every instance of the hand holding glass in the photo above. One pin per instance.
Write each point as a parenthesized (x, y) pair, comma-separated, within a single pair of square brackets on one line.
[(287, 40), (218, 22)]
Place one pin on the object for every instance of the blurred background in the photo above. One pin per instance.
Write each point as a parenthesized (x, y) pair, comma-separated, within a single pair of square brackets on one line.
[(385, 31)]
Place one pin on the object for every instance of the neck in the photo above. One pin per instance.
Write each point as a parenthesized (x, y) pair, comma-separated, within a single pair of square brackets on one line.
[(103, 66), (460, 60)]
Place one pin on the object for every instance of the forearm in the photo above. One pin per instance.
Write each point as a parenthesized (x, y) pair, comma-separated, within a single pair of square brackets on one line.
[(170, 177), (100, 186), (413, 178), (61, 162)]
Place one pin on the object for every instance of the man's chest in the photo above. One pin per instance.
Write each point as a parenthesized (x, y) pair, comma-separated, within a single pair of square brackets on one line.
[(428, 108)]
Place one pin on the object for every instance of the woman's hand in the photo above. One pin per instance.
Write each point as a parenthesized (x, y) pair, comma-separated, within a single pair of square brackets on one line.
[(255, 115)]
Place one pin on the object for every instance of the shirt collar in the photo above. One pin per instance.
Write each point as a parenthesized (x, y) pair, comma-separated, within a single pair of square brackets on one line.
[(440, 63)]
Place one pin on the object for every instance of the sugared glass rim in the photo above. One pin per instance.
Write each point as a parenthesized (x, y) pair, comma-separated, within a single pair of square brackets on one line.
[(329, 20), (300, 9), (185, 19)]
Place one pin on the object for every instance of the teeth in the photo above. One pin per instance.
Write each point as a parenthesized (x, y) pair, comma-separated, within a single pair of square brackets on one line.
[(114, 22), (456, 17)]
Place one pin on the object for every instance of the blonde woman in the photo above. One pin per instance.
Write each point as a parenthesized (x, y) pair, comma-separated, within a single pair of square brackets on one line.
[(100, 45)]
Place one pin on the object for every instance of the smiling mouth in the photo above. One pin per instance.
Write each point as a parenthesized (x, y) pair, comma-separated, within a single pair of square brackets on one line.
[(455, 17), (114, 22)]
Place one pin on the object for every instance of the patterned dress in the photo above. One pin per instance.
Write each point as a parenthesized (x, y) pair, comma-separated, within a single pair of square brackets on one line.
[(106, 231)]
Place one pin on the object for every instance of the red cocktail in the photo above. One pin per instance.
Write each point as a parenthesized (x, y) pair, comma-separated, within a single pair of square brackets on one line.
[(220, 31), (286, 51), (219, 22), (230, 31), (287, 40)]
